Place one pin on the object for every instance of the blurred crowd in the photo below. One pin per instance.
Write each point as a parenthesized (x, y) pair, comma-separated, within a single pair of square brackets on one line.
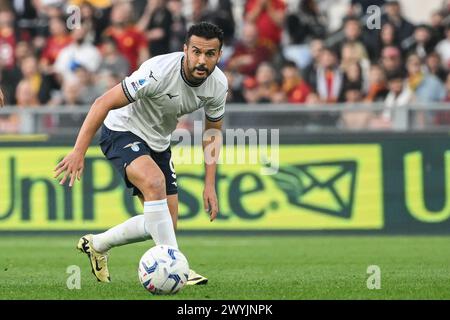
[(67, 53)]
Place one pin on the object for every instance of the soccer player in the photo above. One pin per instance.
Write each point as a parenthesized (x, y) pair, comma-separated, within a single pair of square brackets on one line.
[(137, 118)]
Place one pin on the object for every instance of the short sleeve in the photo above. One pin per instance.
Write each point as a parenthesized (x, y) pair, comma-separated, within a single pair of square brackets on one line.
[(215, 110), (142, 82)]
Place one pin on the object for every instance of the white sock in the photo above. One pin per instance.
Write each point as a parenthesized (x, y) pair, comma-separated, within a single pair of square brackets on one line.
[(158, 222), (132, 230)]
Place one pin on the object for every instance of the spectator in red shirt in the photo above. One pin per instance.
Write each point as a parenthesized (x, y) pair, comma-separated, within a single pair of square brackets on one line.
[(268, 15), (131, 42), (248, 53), (8, 40), (59, 38), (294, 87)]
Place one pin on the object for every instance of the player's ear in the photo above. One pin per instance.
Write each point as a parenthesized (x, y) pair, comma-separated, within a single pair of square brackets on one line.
[(185, 48)]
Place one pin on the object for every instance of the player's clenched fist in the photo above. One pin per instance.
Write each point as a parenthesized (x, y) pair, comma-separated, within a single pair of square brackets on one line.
[(72, 166)]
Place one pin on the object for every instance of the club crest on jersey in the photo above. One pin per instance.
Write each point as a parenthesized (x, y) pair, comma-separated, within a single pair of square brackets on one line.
[(134, 146)]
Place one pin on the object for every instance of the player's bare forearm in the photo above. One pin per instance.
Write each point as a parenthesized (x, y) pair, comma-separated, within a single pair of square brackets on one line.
[(212, 142), (73, 164)]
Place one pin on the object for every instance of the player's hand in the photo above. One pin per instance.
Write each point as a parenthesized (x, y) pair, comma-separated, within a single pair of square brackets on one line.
[(72, 166), (210, 202)]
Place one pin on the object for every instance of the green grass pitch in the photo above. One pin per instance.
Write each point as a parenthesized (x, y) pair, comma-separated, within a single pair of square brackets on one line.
[(239, 267)]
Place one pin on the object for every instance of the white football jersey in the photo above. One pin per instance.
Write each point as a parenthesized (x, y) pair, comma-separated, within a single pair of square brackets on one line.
[(159, 94)]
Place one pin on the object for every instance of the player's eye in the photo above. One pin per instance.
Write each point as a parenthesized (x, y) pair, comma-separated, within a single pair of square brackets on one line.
[(210, 54)]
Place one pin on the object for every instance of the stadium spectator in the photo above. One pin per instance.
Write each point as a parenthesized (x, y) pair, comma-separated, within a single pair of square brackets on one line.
[(89, 90), (435, 67), (391, 60), (354, 119), (294, 87), (352, 32), (25, 97), (112, 60), (426, 87), (221, 15), (8, 39), (156, 23), (178, 27), (306, 23), (329, 77), (443, 117), (96, 18), (393, 14), (59, 38), (354, 58), (235, 94), (377, 86), (80, 52), (131, 42), (359, 8), (41, 85), (443, 48), (248, 54), (399, 95), (387, 38), (268, 15), (420, 42), (263, 88), (309, 73)]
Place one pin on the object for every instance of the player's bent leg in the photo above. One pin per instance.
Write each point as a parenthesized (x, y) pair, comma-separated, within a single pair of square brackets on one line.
[(194, 278), (145, 174), (97, 260)]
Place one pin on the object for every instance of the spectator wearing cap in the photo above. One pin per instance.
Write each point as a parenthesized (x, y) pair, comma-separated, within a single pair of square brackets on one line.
[(393, 14), (248, 54), (443, 48)]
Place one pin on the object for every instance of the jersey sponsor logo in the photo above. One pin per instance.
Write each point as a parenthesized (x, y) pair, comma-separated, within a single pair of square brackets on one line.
[(135, 86), (142, 82), (134, 146), (171, 96)]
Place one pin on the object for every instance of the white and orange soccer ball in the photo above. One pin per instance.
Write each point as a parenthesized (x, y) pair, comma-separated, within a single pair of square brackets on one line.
[(163, 269)]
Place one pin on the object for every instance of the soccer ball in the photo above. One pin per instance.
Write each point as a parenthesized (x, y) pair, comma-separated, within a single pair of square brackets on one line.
[(163, 270)]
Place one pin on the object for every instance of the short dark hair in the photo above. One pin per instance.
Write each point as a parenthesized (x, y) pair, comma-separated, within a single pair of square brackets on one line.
[(205, 30)]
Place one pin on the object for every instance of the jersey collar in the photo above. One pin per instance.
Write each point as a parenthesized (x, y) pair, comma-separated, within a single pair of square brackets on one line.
[(183, 76)]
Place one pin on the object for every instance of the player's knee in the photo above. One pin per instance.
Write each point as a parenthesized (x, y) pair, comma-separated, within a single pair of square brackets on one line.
[(154, 185)]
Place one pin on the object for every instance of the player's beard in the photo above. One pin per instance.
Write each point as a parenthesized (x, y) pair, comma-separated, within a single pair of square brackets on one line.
[(191, 70)]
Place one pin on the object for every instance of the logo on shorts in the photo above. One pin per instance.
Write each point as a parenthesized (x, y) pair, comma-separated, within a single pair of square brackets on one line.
[(134, 146)]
